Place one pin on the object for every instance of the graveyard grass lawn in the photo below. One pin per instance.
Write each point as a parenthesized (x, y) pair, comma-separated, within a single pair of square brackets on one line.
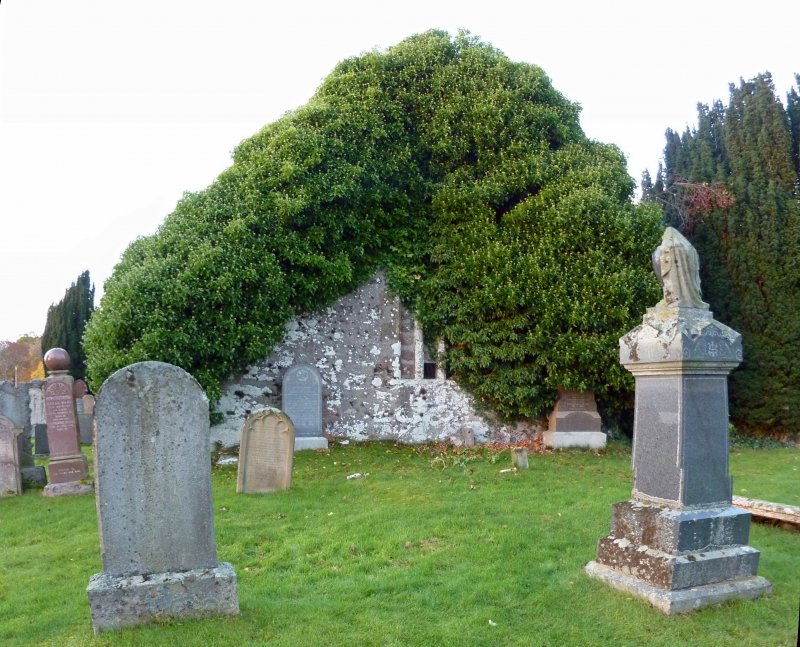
[(428, 549)]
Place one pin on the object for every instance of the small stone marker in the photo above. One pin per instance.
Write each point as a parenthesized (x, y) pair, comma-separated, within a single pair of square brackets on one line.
[(85, 418), (88, 403), (154, 502), (467, 435), (67, 466), (678, 542), (38, 420), (574, 421), (302, 402), (519, 456), (79, 389), (266, 452), (10, 478)]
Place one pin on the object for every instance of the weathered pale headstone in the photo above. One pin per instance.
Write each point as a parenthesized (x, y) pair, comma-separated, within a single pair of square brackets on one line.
[(10, 478), (85, 427), (14, 405), (266, 452), (519, 457), (678, 542), (574, 421), (38, 421), (88, 403), (85, 418), (302, 402), (67, 467), (154, 502), (79, 389)]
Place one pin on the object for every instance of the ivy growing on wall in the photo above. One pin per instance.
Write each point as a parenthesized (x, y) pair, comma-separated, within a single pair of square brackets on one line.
[(466, 175)]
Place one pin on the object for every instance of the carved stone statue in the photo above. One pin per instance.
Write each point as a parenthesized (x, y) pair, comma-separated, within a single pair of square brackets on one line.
[(677, 267)]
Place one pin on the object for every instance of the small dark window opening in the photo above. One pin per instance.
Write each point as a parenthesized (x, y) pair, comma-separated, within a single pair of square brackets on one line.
[(429, 370)]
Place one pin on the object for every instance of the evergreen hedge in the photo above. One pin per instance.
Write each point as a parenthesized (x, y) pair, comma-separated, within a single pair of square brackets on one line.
[(464, 174)]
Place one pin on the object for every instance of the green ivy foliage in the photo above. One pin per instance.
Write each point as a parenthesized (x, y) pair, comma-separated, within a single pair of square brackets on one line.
[(466, 175)]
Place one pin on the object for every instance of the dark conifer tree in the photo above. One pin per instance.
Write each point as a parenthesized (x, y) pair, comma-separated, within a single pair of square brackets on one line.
[(747, 153), (66, 321), (793, 112), (762, 247)]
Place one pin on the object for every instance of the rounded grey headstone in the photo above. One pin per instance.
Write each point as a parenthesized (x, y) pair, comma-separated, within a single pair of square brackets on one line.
[(153, 472)]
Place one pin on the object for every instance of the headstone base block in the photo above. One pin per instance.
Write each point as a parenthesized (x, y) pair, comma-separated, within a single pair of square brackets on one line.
[(117, 602), (33, 476), (67, 469), (65, 489), (673, 602), (310, 442), (561, 439)]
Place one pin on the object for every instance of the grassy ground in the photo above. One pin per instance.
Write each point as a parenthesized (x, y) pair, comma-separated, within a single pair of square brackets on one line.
[(429, 549)]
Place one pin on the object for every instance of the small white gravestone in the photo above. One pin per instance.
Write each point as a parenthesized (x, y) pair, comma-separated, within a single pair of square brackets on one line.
[(266, 452), (154, 502)]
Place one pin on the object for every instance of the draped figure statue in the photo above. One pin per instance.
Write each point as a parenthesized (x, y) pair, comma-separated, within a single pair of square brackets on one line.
[(677, 267)]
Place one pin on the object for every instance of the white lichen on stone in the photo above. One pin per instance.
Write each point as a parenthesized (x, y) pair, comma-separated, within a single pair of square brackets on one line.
[(356, 346)]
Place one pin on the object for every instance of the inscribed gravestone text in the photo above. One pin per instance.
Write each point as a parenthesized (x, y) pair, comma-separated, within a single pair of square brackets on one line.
[(266, 452)]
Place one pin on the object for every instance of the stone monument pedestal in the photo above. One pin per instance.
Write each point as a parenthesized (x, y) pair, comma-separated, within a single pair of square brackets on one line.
[(574, 422), (679, 560), (678, 542), (119, 601)]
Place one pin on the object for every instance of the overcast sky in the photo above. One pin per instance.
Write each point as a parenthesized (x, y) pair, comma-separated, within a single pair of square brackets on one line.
[(109, 111)]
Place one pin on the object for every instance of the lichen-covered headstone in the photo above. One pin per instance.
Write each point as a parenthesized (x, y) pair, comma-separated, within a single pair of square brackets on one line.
[(10, 479), (302, 402), (678, 542), (154, 505), (266, 452)]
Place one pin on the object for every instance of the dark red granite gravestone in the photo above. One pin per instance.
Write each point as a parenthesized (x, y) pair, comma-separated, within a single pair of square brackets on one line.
[(67, 466)]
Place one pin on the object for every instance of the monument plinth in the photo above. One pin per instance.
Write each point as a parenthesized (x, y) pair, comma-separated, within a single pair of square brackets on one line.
[(678, 542)]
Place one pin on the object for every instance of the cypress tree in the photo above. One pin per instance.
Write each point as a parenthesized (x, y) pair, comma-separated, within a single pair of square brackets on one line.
[(762, 249), (793, 113), (749, 245), (66, 321)]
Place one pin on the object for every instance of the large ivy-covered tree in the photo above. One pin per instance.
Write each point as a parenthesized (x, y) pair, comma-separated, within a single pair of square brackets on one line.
[(465, 174), (732, 185), (66, 321)]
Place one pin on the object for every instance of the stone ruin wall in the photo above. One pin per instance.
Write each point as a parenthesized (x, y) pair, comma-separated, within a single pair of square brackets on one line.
[(357, 345)]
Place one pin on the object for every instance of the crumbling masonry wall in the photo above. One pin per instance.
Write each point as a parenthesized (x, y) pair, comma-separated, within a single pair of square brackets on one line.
[(368, 393)]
